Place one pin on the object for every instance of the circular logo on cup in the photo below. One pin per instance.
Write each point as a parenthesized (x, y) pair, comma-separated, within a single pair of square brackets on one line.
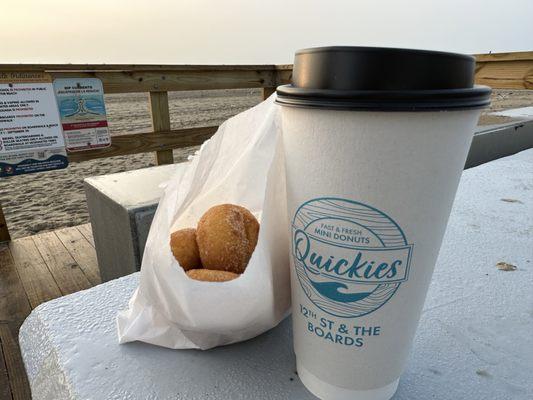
[(350, 258)]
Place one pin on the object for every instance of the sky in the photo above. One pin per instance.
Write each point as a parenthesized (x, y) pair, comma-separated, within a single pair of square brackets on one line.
[(250, 31)]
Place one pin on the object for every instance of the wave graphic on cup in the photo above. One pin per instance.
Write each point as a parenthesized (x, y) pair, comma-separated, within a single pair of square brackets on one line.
[(332, 291)]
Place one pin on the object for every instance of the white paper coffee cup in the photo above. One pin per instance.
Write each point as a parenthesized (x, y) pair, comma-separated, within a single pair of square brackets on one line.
[(369, 195)]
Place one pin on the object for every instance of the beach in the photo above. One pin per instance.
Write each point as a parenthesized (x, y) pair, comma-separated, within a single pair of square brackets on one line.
[(50, 200)]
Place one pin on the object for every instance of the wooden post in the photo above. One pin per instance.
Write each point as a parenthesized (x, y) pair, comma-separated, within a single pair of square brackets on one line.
[(161, 122), (267, 91), (4, 232)]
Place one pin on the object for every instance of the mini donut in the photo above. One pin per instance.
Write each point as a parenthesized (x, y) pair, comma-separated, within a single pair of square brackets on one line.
[(184, 248), (209, 275), (227, 236)]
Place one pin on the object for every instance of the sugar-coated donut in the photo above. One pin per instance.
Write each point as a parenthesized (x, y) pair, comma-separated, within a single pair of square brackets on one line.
[(209, 275), (185, 250), (227, 236)]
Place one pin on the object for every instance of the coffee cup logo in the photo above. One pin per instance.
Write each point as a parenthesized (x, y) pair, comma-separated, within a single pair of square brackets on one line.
[(350, 258)]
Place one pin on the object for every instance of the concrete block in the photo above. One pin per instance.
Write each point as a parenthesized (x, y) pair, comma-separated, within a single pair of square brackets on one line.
[(496, 141), (122, 207), (474, 340)]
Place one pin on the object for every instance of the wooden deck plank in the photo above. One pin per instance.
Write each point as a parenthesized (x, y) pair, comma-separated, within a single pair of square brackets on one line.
[(36, 278), (82, 251), (5, 390), (87, 231), (66, 272), (14, 304), (18, 380), (33, 270)]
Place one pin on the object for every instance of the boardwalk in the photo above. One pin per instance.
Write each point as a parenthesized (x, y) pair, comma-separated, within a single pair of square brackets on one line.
[(33, 270)]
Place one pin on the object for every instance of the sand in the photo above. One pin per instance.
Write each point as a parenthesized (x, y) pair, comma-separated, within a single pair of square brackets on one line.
[(503, 100), (50, 200), (45, 201)]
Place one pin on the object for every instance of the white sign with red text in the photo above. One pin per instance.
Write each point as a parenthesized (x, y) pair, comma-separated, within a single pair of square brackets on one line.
[(82, 111)]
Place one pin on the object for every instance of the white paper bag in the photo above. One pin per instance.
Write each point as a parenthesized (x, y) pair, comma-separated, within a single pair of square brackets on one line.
[(241, 164)]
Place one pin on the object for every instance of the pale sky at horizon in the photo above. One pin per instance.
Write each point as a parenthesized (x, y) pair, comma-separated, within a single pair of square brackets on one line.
[(250, 32)]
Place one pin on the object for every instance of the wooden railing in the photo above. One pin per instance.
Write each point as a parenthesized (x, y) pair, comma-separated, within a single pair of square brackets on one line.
[(505, 70), (158, 80), (502, 70)]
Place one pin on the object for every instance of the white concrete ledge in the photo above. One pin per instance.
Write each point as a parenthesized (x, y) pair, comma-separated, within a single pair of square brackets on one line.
[(474, 340)]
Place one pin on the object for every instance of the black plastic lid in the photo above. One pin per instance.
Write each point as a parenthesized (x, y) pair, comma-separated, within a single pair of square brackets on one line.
[(382, 79)]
